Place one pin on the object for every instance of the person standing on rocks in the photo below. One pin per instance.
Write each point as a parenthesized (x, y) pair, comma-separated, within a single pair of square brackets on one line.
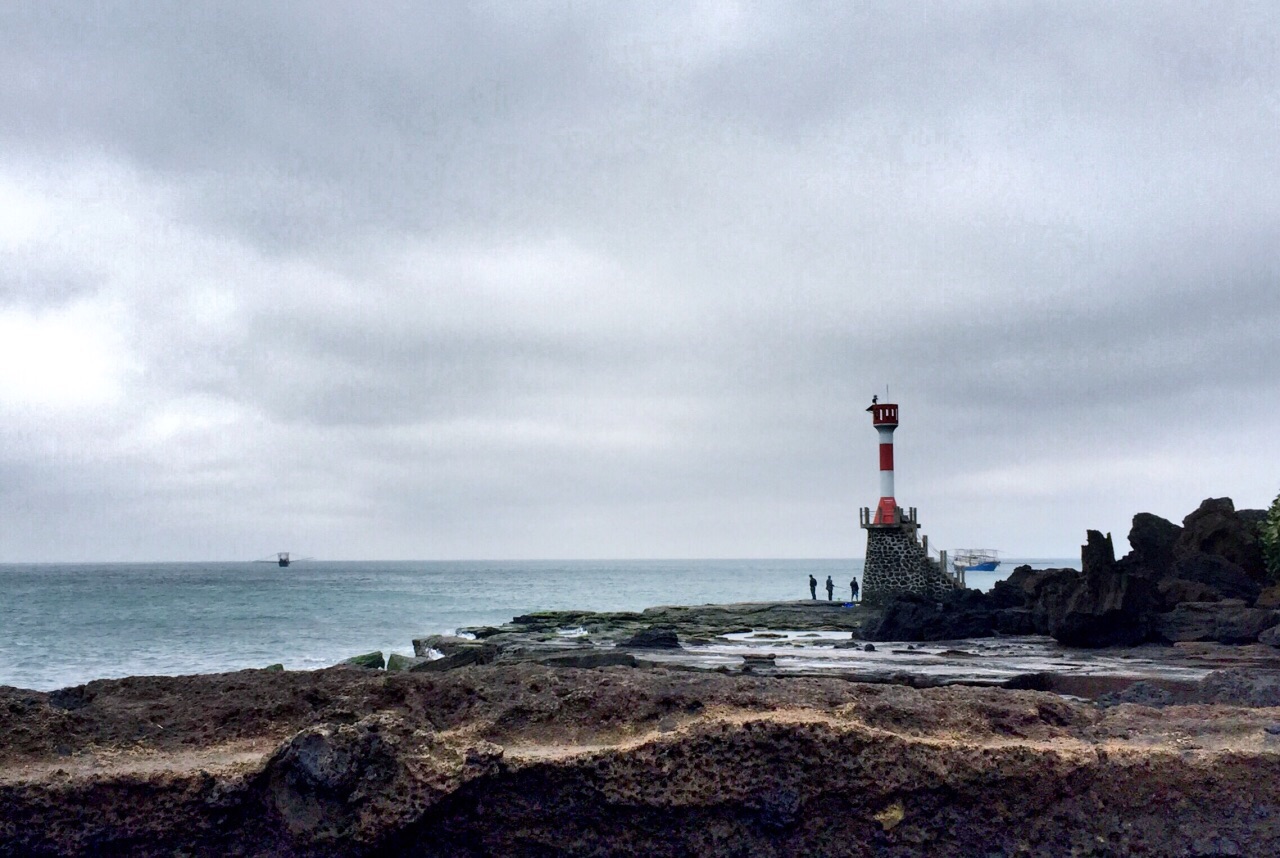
[(831, 588), (853, 590), (813, 587)]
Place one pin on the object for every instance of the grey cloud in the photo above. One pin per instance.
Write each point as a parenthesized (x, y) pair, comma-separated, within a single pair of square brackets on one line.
[(597, 273)]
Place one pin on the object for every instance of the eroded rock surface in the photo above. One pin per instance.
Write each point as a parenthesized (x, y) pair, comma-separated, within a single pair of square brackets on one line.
[(532, 760)]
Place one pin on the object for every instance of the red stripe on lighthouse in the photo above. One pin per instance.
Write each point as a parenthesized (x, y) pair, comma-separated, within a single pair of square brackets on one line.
[(886, 457)]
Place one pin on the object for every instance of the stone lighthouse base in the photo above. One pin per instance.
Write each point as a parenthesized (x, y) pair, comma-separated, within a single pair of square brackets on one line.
[(897, 563)]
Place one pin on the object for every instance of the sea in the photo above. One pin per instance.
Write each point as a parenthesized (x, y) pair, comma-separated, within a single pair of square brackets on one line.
[(67, 624)]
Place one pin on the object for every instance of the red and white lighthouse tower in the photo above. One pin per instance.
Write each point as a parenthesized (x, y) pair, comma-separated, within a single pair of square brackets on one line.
[(884, 416)]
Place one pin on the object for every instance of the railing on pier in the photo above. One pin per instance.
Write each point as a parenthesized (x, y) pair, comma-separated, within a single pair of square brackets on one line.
[(907, 517)]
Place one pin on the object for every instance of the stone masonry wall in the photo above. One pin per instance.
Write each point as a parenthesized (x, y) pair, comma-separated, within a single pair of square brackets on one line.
[(896, 563)]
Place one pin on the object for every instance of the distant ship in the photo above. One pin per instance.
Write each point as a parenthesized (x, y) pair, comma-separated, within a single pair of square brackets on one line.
[(975, 559), (283, 559)]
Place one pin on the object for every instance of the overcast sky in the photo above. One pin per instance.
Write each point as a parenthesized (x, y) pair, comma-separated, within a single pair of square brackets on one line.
[(568, 279)]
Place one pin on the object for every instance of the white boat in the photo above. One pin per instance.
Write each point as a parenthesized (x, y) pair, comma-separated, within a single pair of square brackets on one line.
[(975, 559)]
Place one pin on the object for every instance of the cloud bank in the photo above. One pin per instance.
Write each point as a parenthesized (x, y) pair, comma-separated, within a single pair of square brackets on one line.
[(546, 280)]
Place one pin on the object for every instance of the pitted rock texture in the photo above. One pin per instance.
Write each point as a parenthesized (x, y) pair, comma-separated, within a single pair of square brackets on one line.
[(527, 760), (897, 564)]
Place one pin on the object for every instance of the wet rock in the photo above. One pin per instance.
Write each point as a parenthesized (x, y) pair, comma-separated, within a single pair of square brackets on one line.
[(397, 662), (652, 638), (443, 644), (1015, 621), (869, 648), (591, 659), (368, 661), (910, 617), (1216, 528), (752, 662), (1228, 621), (471, 655), (1030, 682)]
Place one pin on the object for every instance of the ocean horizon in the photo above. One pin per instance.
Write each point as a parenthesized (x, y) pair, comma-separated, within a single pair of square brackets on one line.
[(68, 623)]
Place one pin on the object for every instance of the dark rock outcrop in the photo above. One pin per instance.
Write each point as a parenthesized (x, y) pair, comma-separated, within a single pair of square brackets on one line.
[(1107, 606), (397, 662), (1213, 557), (591, 659), (1174, 591), (1218, 574), (1216, 528), (463, 657), (368, 661), (1152, 540), (443, 644), (1229, 621), (910, 617), (652, 638)]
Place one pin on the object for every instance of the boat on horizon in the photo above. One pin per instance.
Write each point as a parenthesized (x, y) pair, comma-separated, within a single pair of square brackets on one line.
[(283, 559), (975, 559)]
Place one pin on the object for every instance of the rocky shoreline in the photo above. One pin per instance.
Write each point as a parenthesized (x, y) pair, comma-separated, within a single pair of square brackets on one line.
[(1205, 580), (527, 759), (770, 729)]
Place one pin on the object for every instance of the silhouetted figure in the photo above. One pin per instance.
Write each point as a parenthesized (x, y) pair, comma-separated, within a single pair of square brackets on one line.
[(853, 590), (831, 588), (813, 587)]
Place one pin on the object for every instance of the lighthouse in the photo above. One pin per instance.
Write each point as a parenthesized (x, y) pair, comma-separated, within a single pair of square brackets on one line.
[(897, 560), (885, 418)]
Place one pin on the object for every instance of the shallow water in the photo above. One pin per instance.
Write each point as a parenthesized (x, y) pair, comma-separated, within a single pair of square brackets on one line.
[(980, 660), (66, 624)]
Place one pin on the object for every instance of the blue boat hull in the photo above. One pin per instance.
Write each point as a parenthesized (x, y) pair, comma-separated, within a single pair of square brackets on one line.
[(984, 567)]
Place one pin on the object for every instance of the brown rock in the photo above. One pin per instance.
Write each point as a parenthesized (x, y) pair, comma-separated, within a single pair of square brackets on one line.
[(530, 760)]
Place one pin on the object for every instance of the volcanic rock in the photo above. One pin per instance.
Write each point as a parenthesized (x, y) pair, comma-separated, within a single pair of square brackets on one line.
[(463, 657), (528, 760), (443, 644), (1229, 621), (1152, 540), (368, 661), (1216, 528), (911, 617), (652, 638), (1222, 576), (1105, 606), (591, 659), (1241, 687), (397, 662)]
